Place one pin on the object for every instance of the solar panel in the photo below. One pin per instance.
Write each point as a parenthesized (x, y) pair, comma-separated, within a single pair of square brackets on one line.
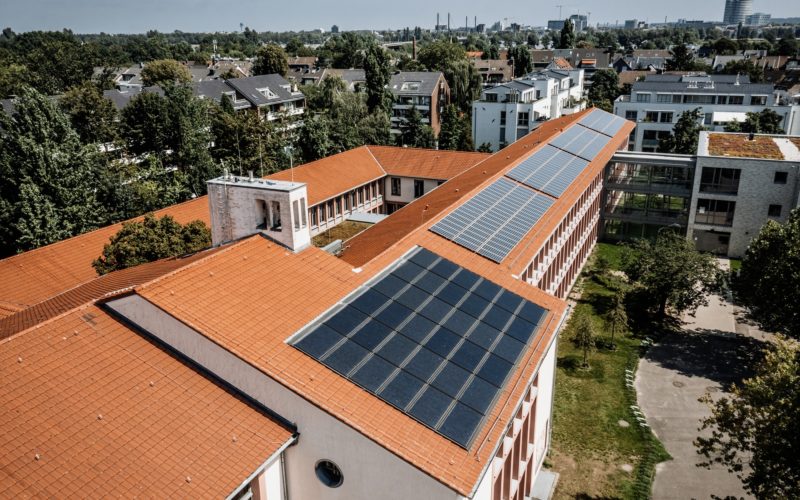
[(443, 356), (603, 122), (494, 221), (581, 141), (550, 170)]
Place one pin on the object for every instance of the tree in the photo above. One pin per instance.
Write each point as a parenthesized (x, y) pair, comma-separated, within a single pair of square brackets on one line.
[(768, 283), (744, 67), (165, 72), (413, 132), (455, 133), (754, 432), (271, 60), (461, 75), (485, 148), (617, 316), (314, 138), (567, 38), (92, 115), (763, 122), (47, 190), (149, 240), (682, 59), (787, 46), (725, 47), (604, 90), (670, 273), (584, 336), (376, 72), (523, 62), (685, 134), (13, 77)]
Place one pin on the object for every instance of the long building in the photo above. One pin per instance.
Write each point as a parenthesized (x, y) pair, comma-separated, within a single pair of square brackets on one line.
[(656, 104), (418, 363)]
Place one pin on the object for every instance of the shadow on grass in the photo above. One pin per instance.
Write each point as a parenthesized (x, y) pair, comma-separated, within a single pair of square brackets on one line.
[(572, 365), (586, 496), (724, 357)]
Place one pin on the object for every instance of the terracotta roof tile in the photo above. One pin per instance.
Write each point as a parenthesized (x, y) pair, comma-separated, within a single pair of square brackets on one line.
[(425, 163), (109, 413), (36, 275), (319, 281), (335, 174), (93, 290)]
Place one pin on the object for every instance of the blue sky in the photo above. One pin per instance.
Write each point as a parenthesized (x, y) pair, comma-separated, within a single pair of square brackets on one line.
[(136, 16)]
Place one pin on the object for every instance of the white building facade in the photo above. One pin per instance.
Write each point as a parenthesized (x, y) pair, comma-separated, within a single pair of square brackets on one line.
[(508, 112), (656, 105)]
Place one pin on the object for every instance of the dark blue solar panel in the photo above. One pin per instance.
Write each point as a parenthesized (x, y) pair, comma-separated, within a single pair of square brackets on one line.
[(581, 141), (430, 338), (603, 122), (549, 170), (494, 221)]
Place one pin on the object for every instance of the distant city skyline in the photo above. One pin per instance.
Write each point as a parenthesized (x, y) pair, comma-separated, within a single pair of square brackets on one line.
[(117, 16)]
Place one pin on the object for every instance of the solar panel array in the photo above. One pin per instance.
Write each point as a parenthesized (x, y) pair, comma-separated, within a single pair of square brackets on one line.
[(603, 122), (549, 170), (581, 141), (493, 222), (430, 338)]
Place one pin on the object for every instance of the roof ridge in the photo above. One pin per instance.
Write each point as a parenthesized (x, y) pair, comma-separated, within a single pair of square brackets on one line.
[(377, 162), (4, 340)]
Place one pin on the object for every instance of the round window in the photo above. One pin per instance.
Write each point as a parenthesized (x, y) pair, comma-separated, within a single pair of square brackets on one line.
[(329, 473)]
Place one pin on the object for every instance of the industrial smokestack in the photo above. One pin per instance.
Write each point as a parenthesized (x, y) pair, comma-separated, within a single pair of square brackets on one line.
[(448, 21), (437, 22)]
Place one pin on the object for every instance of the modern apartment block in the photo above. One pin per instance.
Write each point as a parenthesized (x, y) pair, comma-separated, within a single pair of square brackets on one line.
[(510, 111), (719, 198), (427, 91), (417, 363), (656, 103)]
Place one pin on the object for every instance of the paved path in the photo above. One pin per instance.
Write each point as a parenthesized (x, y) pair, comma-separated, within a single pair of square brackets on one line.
[(706, 356)]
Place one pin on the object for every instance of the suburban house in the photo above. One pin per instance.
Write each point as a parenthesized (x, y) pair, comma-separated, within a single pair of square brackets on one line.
[(508, 112), (494, 71), (428, 92), (656, 104), (417, 363)]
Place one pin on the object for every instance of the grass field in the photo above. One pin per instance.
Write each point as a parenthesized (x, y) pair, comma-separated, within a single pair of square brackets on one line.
[(343, 231), (590, 448)]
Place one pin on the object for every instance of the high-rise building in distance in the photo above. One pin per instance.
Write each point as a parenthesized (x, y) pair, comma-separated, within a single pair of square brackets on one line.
[(736, 11)]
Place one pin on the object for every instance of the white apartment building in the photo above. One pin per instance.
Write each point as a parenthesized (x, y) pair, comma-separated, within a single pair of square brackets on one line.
[(508, 112), (656, 104)]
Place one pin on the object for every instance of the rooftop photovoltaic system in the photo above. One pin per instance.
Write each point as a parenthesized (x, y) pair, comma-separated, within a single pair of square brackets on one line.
[(430, 338)]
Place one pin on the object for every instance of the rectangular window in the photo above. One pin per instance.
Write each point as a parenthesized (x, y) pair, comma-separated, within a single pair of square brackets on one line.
[(722, 99), (303, 211), (651, 116), (360, 196), (774, 210), (296, 210), (502, 118), (715, 212), (720, 180), (666, 117), (419, 188), (736, 99), (330, 210), (522, 119), (631, 115), (314, 222), (640, 97), (781, 177), (708, 118), (355, 202), (347, 202), (396, 187), (663, 97), (338, 205), (699, 99), (758, 100)]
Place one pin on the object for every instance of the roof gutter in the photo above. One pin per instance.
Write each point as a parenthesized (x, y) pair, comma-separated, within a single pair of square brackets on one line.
[(292, 440)]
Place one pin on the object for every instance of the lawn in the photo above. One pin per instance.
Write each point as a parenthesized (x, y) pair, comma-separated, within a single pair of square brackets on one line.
[(590, 448)]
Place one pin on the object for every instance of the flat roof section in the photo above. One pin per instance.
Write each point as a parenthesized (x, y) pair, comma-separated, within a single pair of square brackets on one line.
[(430, 338)]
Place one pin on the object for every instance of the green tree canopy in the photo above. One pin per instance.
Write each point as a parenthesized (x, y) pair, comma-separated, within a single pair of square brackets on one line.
[(149, 240), (670, 273), (523, 62), (376, 72), (462, 77), (165, 72), (787, 46), (455, 134), (682, 58), (584, 335), (768, 283), (413, 132), (765, 121), (92, 115), (567, 38), (744, 67), (685, 134), (271, 59), (617, 316), (754, 431), (47, 188), (604, 90)]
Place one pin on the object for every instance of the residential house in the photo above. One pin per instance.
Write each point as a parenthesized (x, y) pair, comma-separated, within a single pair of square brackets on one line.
[(508, 112), (494, 71), (428, 92)]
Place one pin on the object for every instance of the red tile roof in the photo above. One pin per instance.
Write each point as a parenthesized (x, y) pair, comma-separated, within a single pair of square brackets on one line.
[(300, 287), (424, 163), (91, 409)]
